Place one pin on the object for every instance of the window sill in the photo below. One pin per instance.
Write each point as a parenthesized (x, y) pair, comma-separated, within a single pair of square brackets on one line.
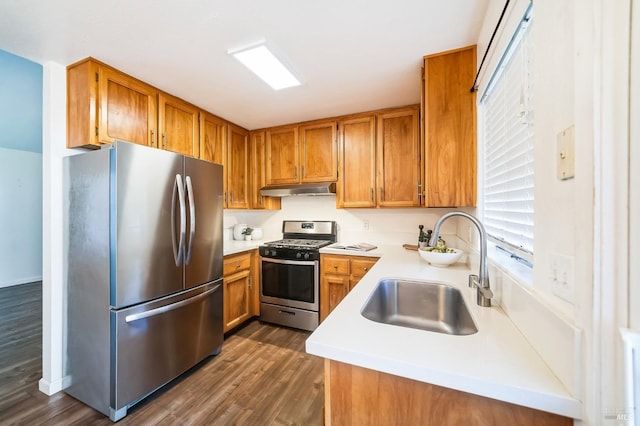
[(516, 270)]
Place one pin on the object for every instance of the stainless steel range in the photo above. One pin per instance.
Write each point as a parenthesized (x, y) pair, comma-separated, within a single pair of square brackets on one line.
[(290, 278)]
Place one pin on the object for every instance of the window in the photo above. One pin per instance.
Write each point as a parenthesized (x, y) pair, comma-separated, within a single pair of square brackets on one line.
[(507, 133)]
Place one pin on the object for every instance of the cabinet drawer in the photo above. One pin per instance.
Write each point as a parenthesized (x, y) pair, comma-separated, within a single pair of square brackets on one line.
[(359, 267), (335, 265), (236, 263)]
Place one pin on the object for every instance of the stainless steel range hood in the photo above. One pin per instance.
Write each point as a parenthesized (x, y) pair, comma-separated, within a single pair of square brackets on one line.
[(301, 189)]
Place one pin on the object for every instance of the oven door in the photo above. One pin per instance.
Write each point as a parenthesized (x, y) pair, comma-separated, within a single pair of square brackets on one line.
[(292, 283)]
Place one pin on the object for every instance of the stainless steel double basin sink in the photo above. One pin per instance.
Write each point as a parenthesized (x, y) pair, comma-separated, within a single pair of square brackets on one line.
[(419, 304)]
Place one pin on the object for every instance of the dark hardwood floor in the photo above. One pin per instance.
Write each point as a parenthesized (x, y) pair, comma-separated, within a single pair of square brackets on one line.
[(262, 377)]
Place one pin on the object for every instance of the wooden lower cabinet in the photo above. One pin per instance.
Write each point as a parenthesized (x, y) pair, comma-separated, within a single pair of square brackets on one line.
[(241, 288), (339, 274), (359, 396)]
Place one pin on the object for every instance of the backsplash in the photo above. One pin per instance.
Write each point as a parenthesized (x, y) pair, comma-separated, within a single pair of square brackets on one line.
[(378, 226)]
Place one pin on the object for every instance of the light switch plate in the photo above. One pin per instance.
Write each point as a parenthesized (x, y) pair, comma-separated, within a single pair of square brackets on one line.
[(562, 275), (566, 153)]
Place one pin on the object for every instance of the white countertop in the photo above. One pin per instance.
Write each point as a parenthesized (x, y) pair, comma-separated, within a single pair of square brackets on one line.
[(496, 362), (238, 246)]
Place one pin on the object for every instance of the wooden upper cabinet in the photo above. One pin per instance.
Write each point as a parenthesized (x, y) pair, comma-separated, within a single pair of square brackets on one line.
[(105, 105), (179, 125), (257, 160), (303, 154), (398, 153), (213, 142), (450, 128), (282, 156), (356, 162), (318, 152), (213, 138), (237, 166)]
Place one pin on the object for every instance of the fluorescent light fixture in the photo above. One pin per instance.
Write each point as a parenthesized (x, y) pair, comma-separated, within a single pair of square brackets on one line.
[(259, 59)]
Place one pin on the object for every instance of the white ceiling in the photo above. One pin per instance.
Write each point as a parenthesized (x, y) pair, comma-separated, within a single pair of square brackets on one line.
[(352, 55)]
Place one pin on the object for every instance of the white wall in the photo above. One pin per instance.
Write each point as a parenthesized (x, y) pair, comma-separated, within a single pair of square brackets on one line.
[(20, 217)]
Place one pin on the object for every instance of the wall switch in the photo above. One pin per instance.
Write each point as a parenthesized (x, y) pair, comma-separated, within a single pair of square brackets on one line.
[(365, 224), (566, 153), (562, 275)]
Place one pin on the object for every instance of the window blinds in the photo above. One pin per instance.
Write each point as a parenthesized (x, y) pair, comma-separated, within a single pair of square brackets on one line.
[(508, 179)]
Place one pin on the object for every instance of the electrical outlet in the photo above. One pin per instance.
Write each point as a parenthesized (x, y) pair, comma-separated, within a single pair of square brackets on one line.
[(365, 224), (561, 274)]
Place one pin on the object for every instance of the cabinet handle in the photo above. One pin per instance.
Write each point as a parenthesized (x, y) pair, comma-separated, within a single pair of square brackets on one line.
[(225, 197), (381, 194), (164, 141), (302, 174), (365, 269), (335, 266), (372, 194), (295, 172), (419, 189), (153, 139), (231, 196)]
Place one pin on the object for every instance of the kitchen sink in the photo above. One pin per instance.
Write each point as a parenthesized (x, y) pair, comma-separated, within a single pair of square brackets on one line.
[(419, 304)]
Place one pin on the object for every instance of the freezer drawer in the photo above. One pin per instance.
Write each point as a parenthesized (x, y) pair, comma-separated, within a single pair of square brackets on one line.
[(160, 340)]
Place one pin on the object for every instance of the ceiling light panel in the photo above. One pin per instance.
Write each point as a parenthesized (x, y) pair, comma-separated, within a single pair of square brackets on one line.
[(262, 62)]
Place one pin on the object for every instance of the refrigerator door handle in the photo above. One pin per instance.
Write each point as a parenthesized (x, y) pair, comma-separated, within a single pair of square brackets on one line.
[(192, 218), (178, 249), (171, 307)]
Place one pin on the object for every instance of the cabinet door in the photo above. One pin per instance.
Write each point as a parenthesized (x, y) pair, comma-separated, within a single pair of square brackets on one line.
[(333, 288), (236, 299), (398, 150), (179, 125), (213, 143), (237, 168), (213, 138), (356, 159), (128, 109), (258, 176), (282, 156), (318, 153), (450, 129)]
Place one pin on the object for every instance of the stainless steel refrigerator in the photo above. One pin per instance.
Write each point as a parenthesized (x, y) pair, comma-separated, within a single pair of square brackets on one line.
[(143, 250)]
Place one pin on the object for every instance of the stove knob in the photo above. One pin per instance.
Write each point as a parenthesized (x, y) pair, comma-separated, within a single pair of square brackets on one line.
[(306, 255), (273, 253), (298, 255)]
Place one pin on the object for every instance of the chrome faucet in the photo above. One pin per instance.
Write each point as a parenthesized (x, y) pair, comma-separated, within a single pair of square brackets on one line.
[(480, 281)]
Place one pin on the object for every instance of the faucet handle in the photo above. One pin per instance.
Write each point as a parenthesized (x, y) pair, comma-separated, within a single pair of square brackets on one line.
[(473, 281)]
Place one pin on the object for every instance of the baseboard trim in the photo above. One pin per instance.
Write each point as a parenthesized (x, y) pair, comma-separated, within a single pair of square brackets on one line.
[(24, 280), (49, 388)]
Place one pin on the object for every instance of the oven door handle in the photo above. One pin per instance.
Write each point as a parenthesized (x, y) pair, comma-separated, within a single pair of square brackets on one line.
[(290, 262)]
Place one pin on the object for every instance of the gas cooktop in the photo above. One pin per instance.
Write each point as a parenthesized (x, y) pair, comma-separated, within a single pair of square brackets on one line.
[(299, 244)]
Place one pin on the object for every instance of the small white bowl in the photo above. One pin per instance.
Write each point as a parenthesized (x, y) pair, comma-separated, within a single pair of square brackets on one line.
[(441, 260)]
